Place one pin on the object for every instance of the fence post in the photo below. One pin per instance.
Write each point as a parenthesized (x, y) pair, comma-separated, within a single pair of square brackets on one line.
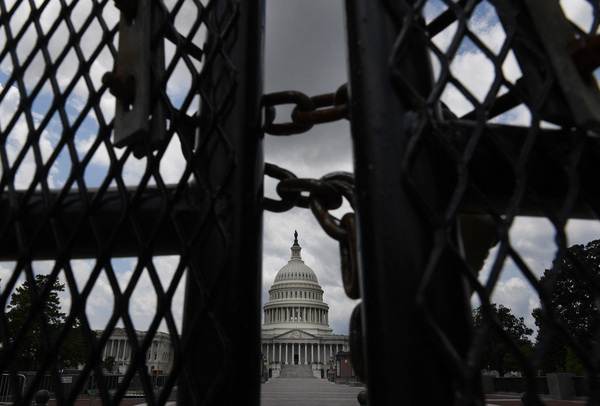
[(221, 321), (417, 313)]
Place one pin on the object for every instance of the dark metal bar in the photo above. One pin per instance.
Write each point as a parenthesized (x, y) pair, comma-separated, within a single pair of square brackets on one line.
[(491, 173), (90, 224), (221, 326), (556, 156), (444, 20), (395, 235)]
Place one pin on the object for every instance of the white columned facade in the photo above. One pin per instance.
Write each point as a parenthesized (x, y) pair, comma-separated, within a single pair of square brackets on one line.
[(296, 314)]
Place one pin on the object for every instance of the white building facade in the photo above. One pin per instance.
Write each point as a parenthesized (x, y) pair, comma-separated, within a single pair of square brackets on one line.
[(295, 323), (159, 357)]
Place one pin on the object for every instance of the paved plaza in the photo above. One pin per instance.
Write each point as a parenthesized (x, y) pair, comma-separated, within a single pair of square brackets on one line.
[(307, 391)]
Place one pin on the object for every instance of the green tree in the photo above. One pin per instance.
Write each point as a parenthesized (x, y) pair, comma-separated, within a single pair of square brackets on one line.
[(29, 348), (497, 354), (573, 287), (109, 363)]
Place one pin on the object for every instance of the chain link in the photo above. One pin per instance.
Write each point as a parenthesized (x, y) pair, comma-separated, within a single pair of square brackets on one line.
[(307, 112), (324, 195)]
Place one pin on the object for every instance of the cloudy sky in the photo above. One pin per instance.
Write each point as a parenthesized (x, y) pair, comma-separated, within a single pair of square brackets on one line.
[(311, 58), (305, 51)]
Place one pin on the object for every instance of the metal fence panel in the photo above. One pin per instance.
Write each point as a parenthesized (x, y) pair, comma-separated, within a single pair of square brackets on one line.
[(446, 163), (175, 170), (103, 175)]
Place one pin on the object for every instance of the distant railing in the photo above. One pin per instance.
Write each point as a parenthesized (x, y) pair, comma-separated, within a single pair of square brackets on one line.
[(9, 387)]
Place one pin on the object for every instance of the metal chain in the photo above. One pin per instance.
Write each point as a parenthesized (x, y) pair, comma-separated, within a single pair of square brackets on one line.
[(309, 111), (324, 195)]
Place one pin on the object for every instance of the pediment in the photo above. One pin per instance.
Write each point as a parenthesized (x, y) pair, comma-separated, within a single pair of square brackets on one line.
[(295, 335)]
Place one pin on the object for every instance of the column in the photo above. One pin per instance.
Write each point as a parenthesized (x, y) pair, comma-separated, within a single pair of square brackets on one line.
[(305, 354), (293, 349), (319, 353), (312, 353), (286, 353), (280, 354)]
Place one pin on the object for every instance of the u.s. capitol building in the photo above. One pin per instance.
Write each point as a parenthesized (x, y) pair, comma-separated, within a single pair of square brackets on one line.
[(296, 337)]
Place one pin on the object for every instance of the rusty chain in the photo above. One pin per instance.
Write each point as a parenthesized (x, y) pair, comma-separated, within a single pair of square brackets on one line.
[(324, 195), (307, 112)]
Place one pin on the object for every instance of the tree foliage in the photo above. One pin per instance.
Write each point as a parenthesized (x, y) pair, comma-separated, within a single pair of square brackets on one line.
[(109, 363), (28, 325), (573, 286), (497, 354)]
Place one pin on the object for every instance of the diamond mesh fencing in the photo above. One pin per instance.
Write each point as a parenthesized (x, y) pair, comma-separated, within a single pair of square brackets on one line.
[(475, 128), (131, 198), (122, 194)]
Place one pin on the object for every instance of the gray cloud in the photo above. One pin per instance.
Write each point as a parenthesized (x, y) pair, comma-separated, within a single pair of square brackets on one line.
[(305, 51)]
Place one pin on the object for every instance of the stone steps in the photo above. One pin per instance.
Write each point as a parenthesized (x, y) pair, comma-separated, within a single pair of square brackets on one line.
[(296, 371)]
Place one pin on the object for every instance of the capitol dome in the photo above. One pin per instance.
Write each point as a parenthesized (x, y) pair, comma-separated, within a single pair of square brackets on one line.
[(296, 299)]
